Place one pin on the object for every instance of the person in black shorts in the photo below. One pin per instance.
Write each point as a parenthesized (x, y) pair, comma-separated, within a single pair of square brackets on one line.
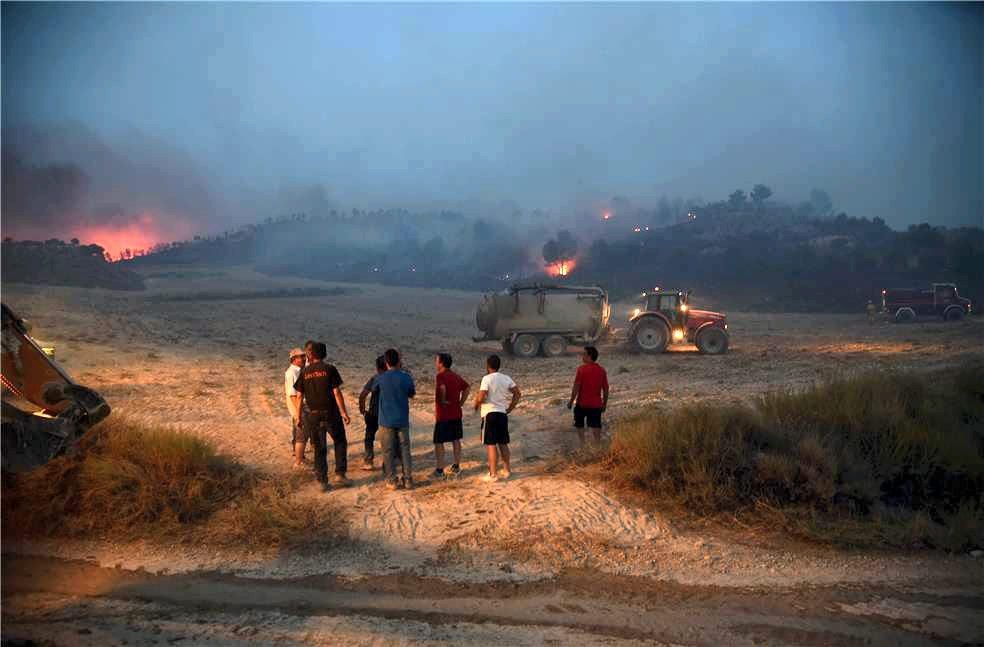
[(450, 392), (496, 398), (589, 395), (370, 413), (320, 386)]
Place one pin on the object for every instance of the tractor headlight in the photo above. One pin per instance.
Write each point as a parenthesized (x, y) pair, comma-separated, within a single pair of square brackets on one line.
[(678, 335), (635, 313), (683, 307)]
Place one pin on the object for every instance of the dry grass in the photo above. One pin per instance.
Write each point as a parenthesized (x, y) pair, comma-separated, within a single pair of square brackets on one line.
[(129, 481), (875, 459)]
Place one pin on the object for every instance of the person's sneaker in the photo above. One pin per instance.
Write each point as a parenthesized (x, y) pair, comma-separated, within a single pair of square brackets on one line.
[(504, 475), (490, 478), (368, 467), (391, 485), (325, 487), (299, 466), (407, 484), (455, 470), (339, 479), (438, 474)]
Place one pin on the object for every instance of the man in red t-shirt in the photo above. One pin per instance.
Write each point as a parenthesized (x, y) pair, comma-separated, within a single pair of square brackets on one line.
[(450, 393), (590, 392)]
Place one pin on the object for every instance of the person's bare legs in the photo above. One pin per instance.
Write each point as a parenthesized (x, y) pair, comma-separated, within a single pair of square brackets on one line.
[(439, 455), (597, 435), (299, 453), (493, 459), (504, 453), (456, 448), (580, 435)]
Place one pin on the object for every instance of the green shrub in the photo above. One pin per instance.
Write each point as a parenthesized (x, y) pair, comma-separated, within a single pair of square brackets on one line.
[(898, 448)]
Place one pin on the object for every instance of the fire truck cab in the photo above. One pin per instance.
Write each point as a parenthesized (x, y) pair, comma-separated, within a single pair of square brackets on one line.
[(905, 304)]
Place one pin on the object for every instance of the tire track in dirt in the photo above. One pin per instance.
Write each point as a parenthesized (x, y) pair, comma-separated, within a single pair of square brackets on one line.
[(594, 608)]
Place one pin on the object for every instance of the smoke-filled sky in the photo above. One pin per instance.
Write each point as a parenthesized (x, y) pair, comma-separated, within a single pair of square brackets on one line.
[(207, 115)]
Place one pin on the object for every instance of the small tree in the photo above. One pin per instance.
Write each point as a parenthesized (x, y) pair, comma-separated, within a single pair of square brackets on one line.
[(737, 199), (760, 193), (563, 248)]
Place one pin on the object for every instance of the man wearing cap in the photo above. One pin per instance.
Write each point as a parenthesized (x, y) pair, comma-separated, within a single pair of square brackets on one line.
[(298, 440)]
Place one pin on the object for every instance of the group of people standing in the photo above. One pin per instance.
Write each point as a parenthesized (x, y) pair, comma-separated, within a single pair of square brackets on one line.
[(318, 412)]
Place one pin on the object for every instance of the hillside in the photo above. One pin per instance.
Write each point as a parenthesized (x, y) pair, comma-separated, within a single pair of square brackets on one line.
[(54, 262), (763, 255)]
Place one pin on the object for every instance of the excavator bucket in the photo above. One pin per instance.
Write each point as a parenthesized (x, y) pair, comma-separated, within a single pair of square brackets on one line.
[(44, 411)]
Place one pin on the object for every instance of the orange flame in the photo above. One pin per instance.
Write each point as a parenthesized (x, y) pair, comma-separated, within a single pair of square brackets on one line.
[(561, 268)]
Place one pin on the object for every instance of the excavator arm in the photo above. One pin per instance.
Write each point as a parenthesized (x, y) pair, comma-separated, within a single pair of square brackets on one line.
[(44, 411)]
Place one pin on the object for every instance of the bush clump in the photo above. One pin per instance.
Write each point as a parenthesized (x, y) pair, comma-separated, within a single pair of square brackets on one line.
[(127, 480), (901, 449)]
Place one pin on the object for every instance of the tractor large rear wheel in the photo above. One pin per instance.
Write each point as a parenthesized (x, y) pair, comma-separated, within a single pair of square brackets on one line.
[(712, 341), (526, 346), (651, 335)]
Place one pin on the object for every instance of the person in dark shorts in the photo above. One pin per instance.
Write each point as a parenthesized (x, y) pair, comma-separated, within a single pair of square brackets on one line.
[(450, 392), (496, 398), (370, 413), (589, 395), (320, 386)]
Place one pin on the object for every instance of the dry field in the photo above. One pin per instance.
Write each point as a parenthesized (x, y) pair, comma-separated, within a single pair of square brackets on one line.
[(544, 558)]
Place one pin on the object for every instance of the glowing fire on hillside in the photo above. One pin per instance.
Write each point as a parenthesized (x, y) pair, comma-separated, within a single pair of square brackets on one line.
[(132, 238), (561, 268)]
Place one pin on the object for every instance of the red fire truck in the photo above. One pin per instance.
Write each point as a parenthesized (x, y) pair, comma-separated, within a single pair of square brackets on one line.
[(906, 304)]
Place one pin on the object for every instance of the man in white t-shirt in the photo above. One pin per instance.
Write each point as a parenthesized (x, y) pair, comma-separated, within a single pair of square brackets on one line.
[(297, 438), (496, 398)]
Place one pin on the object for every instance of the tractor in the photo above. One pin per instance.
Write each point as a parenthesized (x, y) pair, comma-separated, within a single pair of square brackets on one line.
[(665, 316)]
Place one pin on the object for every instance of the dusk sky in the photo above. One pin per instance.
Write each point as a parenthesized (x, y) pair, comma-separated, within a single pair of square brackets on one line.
[(223, 113)]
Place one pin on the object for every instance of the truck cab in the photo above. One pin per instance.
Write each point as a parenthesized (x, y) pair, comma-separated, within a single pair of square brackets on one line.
[(942, 300)]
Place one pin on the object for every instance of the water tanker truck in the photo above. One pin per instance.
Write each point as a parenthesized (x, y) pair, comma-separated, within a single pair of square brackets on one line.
[(542, 318)]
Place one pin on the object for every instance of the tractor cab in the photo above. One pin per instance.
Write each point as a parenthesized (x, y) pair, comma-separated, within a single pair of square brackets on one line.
[(672, 304)]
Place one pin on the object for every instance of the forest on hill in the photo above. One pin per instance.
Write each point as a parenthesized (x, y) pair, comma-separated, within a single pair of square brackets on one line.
[(746, 251)]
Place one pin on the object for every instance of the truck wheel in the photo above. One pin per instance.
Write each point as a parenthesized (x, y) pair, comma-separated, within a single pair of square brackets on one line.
[(526, 346), (953, 314), (554, 345), (650, 335), (712, 341), (905, 315)]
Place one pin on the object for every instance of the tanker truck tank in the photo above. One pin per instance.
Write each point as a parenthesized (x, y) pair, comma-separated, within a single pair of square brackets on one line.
[(543, 318)]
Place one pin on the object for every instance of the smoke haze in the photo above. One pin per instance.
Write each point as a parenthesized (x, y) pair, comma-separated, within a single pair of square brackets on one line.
[(200, 117)]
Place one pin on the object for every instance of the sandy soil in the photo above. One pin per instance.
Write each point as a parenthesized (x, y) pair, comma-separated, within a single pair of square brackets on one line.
[(214, 368)]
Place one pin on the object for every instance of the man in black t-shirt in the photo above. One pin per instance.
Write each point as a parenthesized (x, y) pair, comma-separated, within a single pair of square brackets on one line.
[(320, 387)]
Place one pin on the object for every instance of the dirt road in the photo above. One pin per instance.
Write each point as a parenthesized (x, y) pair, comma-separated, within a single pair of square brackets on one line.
[(186, 355), (78, 603)]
